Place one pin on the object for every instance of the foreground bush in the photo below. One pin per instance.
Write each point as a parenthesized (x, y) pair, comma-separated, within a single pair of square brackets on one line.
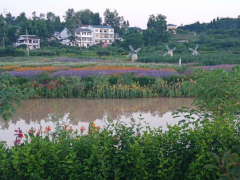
[(121, 152)]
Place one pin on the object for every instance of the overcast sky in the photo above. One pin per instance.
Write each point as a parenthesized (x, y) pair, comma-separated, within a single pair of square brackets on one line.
[(136, 11)]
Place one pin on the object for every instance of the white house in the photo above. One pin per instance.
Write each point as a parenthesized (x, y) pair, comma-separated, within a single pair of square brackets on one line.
[(172, 27), (32, 41), (88, 35), (104, 34), (83, 37)]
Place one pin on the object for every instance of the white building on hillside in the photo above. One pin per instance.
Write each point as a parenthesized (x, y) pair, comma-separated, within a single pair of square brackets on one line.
[(83, 37), (32, 41), (104, 34), (172, 27), (88, 35)]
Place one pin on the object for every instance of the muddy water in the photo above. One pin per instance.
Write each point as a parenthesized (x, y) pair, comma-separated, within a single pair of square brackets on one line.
[(78, 112)]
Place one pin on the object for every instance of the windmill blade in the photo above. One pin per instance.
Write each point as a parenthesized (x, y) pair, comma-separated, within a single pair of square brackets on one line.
[(131, 48), (191, 49), (196, 47), (138, 49), (167, 47), (129, 54), (173, 49), (165, 53)]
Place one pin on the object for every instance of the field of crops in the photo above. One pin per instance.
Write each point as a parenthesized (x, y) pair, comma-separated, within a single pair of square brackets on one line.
[(205, 58)]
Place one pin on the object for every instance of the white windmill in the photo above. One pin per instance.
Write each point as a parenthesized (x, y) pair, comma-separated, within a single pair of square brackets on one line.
[(194, 51), (133, 53), (169, 52)]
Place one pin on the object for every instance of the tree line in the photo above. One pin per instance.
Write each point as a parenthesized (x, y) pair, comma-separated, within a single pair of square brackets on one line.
[(216, 25), (44, 26)]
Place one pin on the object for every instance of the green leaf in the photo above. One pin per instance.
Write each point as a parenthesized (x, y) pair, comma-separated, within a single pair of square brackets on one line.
[(216, 157), (225, 178), (230, 164), (211, 166)]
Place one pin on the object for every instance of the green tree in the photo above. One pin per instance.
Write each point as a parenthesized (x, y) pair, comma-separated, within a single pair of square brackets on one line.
[(181, 48), (134, 39), (9, 18), (150, 37), (157, 22), (21, 18), (113, 19), (85, 16), (218, 91), (51, 16), (10, 95), (97, 20), (69, 14), (3, 28)]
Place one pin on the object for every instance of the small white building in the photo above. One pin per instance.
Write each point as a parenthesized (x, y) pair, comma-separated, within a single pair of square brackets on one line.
[(172, 27), (32, 41), (104, 34), (84, 37)]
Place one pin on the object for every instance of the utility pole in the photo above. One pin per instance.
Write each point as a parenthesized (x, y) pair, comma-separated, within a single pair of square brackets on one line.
[(27, 43)]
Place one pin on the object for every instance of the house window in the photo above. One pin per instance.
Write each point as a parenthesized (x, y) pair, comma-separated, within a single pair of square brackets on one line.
[(88, 33), (78, 32), (110, 41), (96, 35), (35, 41), (84, 33), (96, 30), (105, 31), (111, 30), (100, 30), (30, 41)]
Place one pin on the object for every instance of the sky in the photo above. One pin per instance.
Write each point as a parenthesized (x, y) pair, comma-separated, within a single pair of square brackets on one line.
[(136, 11)]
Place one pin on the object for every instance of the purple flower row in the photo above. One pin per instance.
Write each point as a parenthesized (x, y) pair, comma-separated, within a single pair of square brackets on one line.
[(84, 73), (28, 74), (223, 66), (207, 68)]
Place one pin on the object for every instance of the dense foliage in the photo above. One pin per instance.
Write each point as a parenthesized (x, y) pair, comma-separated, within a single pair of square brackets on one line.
[(215, 24), (135, 151), (121, 152), (206, 58)]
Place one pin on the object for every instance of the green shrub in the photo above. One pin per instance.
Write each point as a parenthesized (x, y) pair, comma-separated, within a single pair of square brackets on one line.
[(20, 52), (120, 151)]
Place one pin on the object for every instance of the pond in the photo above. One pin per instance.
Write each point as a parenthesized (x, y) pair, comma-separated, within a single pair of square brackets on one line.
[(79, 112)]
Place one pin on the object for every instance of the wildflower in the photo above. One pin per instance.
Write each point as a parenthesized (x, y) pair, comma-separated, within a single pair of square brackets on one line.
[(19, 133), (39, 132), (32, 130), (93, 125), (47, 129), (98, 127), (70, 129), (82, 129)]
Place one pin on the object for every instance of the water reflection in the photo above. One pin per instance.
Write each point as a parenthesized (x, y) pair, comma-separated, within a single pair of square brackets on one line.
[(35, 113), (85, 110)]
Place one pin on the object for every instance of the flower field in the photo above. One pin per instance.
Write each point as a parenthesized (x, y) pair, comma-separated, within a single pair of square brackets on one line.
[(72, 77)]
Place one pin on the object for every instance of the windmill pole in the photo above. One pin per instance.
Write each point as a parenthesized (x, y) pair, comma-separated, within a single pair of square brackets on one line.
[(27, 43)]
